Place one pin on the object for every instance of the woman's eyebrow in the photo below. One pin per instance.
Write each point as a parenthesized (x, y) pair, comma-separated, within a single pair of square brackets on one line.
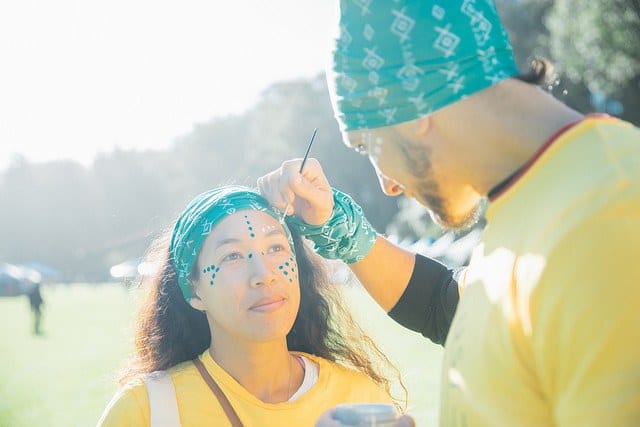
[(275, 231), (226, 242)]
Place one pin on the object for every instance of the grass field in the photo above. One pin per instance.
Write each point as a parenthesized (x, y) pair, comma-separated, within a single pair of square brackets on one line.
[(66, 376)]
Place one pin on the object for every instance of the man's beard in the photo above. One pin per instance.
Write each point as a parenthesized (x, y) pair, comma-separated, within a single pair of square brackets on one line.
[(418, 163), (441, 216)]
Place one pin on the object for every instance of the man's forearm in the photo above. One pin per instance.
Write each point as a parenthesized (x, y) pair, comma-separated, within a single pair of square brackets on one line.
[(385, 272)]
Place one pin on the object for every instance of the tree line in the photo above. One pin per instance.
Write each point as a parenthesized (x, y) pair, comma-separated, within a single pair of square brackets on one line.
[(81, 220)]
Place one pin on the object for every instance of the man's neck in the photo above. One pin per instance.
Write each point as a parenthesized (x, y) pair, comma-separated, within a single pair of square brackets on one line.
[(506, 126)]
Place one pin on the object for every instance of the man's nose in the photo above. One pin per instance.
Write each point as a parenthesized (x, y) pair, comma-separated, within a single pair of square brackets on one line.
[(389, 186)]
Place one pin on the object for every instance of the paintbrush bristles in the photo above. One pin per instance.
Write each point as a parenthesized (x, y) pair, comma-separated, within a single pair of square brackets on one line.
[(304, 160)]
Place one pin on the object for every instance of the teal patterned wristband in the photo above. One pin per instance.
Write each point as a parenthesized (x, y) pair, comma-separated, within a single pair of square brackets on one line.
[(347, 235)]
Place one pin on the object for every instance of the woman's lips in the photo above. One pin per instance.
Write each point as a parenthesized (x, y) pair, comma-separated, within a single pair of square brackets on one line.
[(268, 305)]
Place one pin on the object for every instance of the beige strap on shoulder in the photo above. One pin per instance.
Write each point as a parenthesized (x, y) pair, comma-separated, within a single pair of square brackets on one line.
[(163, 404)]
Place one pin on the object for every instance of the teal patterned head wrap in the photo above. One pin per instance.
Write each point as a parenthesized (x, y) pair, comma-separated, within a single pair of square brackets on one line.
[(396, 61), (200, 217)]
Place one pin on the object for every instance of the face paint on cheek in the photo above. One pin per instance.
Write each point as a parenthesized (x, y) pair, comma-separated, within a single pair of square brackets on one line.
[(251, 233), (289, 269), (213, 270), (376, 148)]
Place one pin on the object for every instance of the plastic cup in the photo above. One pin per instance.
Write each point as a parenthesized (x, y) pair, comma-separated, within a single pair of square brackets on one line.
[(367, 415)]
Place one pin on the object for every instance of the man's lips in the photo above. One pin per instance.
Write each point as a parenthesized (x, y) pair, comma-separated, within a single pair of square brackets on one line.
[(268, 304)]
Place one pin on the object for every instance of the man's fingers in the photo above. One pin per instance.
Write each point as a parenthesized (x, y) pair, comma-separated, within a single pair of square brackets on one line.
[(311, 184), (308, 194), (272, 190)]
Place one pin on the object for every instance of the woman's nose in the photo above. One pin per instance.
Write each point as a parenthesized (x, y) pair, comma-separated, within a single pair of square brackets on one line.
[(263, 272)]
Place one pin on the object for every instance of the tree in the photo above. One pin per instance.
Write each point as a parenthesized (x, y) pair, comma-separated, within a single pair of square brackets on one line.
[(597, 44), (83, 220)]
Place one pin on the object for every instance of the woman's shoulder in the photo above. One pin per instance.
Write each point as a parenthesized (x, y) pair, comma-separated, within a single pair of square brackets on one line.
[(183, 374), (129, 406), (333, 374)]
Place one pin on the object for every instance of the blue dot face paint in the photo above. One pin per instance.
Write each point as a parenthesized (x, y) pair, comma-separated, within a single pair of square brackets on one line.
[(251, 233), (288, 269), (250, 255), (293, 268), (209, 269)]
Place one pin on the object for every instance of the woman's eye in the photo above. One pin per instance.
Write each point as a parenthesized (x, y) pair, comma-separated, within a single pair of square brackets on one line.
[(276, 248), (232, 256), (361, 149)]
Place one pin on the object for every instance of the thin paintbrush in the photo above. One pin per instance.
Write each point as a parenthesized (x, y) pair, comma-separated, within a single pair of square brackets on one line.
[(304, 160)]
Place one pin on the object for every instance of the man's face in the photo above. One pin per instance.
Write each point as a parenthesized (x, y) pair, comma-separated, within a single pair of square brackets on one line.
[(406, 164)]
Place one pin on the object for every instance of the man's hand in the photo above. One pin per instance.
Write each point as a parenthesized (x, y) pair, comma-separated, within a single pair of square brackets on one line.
[(307, 195)]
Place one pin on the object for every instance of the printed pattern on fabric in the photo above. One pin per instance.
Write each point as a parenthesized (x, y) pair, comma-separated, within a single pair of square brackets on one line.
[(347, 235), (396, 61)]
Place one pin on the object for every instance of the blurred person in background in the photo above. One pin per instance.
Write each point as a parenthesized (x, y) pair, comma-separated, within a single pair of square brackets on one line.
[(35, 303), (546, 330), (242, 326)]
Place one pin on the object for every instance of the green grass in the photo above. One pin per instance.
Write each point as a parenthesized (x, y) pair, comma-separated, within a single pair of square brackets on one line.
[(66, 376), (417, 358)]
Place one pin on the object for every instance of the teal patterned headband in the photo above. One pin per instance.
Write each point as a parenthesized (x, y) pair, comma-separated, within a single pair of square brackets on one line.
[(200, 217), (396, 61)]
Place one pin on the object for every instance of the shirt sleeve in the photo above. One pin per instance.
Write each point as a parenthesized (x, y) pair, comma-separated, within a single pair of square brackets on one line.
[(429, 302), (586, 330)]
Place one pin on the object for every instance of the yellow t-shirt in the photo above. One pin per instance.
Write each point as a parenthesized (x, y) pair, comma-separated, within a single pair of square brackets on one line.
[(547, 332), (198, 406)]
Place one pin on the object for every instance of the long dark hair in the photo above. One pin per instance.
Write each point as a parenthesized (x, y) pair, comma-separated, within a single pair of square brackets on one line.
[(540, 72), (169, 331)]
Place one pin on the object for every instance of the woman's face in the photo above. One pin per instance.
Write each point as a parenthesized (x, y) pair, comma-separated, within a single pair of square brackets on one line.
[(248, 278)]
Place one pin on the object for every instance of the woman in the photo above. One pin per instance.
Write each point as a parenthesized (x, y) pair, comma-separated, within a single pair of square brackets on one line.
[(239, 295)]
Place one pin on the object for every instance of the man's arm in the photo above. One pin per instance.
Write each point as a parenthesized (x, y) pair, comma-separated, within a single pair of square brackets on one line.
[(385, 272), (417, 292)]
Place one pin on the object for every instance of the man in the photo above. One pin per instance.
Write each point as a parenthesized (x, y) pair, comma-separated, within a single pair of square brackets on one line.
[(548, 330)]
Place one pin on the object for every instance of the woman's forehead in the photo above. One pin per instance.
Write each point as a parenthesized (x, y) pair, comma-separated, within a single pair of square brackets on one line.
[(246, 224)]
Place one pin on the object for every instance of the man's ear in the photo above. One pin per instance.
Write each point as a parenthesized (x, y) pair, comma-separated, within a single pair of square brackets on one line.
[(195, 301), (423, 125), (414, 130)]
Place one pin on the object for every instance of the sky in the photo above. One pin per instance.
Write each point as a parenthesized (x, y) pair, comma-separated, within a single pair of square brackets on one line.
[(81, 77)]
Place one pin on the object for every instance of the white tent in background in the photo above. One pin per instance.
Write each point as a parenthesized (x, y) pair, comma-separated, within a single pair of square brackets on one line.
[(132, 268), (17, 279)]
